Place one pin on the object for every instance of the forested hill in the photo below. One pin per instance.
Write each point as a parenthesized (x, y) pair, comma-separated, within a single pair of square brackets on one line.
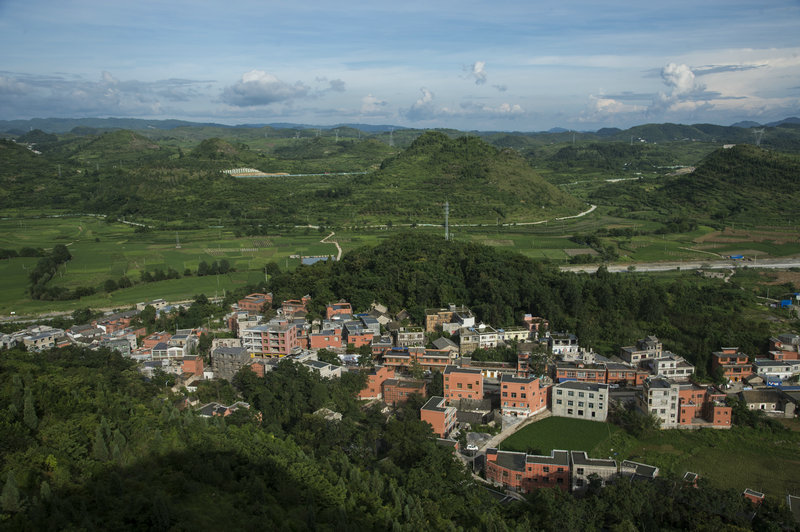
[(740, 180), (477, 178), (606, 311)]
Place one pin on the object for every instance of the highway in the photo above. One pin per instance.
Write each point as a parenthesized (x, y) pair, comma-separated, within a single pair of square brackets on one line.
[(776, 264)]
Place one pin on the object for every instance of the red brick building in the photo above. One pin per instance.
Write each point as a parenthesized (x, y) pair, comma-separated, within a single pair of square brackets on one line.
[(460, 383), (342, 308), (278, 337), (784, 347), (193, 365), (397, 391), (253, 303), (428, 359), (735, 365), (375, 379), (703, 406), (526, 472), (327, 339), (292, 306), (522, 396), (439, 416), (149, 342)]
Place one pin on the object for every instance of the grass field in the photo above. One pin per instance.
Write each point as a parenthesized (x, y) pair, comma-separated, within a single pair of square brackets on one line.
[(104, 250), (738, 458), (560, 433)]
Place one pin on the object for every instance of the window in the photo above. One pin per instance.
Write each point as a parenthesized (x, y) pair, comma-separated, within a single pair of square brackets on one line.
[(505, 394), (591, 405), (569, 411), (522, 395), (570, 403), (593, 414), (469, 386), (580, 403), (591, 396), (580, 471), (580, 394), (558, 401), (513, 394), (459, 385), (580, 412), (558, 392), (560, 480), (571, 393), (546, 469)]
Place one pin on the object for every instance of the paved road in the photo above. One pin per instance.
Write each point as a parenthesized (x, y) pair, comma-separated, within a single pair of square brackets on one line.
[(781, 264)]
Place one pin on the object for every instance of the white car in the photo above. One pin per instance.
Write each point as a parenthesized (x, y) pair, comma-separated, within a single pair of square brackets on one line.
[(472, 447)]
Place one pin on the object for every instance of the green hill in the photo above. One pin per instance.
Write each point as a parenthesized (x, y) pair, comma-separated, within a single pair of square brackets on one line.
[(480, 181), (744, 180), (216, 148)]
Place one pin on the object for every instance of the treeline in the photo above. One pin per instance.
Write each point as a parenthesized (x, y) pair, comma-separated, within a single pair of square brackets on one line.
[(606, 311)]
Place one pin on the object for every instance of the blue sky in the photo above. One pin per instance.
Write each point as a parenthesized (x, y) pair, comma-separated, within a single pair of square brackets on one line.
[(523, 65)]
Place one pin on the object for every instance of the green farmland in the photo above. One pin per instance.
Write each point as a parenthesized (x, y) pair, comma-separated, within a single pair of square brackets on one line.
[(738, 458), (104, 250)]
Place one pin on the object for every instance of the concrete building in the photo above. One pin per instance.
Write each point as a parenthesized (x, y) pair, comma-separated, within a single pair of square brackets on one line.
[(226, 361), (561, 343), (580, 400), (325, 370), (671, 366), (645, 349), (660, 398), (776, 371), (410, 336), (436, 318), (583, 467)]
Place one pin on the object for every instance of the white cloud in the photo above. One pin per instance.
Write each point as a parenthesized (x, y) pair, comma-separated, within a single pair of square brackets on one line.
[(476, 71), (680, 78), (423, 108), (258, 87), (370, 105)]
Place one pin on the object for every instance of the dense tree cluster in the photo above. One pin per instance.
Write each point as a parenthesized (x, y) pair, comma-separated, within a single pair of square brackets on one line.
[(693, 317)]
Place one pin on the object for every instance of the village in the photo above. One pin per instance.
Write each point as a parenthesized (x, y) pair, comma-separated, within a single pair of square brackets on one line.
[(552, 376)]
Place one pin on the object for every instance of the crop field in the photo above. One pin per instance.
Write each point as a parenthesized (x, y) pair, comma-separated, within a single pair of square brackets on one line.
[(105, 250), (763, 461)]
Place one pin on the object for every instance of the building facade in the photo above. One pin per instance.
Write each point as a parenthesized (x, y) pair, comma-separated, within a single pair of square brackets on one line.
[(580, 400)]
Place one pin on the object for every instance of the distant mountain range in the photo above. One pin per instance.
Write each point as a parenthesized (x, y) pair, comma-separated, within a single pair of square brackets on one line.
[(65, 125)]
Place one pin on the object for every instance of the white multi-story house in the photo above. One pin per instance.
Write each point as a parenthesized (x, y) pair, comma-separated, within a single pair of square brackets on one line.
[(580, 400), (660, 398)]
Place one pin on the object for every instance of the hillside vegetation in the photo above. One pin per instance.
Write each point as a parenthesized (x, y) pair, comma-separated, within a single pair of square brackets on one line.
[(743, 183)]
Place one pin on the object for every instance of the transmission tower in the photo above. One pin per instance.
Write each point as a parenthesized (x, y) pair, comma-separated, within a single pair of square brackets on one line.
[(758, 134), (447, 220), (391, 137)]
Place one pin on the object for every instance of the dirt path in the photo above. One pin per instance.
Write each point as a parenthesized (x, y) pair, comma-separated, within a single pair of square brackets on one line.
[(495, 440), (335, 243)]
